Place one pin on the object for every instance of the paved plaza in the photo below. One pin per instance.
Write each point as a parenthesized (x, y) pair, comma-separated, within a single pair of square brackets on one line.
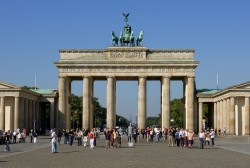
[(228, 152)]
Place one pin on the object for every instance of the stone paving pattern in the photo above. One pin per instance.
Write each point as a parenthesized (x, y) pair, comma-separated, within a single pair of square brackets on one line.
[(227, 153)]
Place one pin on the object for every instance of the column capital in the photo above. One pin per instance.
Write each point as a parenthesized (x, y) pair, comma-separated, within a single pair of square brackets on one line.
[(86, 76), (62, 76), (110, 76), (142, 76), (166, 76), (190, 76)]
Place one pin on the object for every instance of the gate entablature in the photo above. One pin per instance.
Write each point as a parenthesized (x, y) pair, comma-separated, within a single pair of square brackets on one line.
[(127, 61)]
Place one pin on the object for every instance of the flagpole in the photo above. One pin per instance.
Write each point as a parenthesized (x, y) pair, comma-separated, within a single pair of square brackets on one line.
[(35, 81), (217, 81)]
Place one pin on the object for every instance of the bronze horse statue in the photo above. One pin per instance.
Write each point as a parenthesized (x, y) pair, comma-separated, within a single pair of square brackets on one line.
[(114, 39), (139, 39)]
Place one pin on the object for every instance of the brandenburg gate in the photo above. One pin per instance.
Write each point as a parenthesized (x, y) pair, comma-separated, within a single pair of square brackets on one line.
[(125, 63), (129, 61)]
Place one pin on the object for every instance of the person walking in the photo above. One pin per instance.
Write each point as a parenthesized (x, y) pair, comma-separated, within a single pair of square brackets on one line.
[(201, 137), (170, 137), (91, 139), (212, 135), (107, 137), (71, 137), (53, 141), (31, 136), (7, 141), (190, 139), (35, 136)]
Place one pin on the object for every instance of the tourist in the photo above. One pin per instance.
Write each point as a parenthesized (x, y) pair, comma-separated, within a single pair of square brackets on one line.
[(96, 135), (177, 137), (59, 135), (165, 133), (19, 137), (181, 136), (14, 134), (207, 138), (158, 135), (79, 137), (130, 132), (71, 137), (35, 136), (170, 137), (107, 137), (212, 135), (148, 134), (224, 131), (91, 139), (219, 131), (119, 140), (53, 141), (7, 141), (151, 134), (190, 139), (201, 137), (85, 137), (31, 136), (135, 134)]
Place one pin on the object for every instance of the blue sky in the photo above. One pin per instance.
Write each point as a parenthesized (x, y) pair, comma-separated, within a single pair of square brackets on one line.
[(31, 33)]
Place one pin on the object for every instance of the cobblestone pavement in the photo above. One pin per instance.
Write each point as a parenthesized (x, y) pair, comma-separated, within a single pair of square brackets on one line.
[(142, 155)]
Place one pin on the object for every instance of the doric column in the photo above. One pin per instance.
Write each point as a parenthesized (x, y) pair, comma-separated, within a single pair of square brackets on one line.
[(21, 116), (26, 114), (34, 115), (86, 103), (16, 113), (91, 94), (68, 103), (30, 121), (218, 115), (200, 115), (142, 105), (52, 115), (228, 114), (165, 114), (215, 116), (114, 95), (110, 101), (190, 104), (2, 114), (224, 105), (221, 115), (37, 116), (62, 102), (232, 116), (246, 128)]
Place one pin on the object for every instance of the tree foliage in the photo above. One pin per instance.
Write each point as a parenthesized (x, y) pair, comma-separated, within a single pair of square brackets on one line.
[(176, 112), (99, 114)]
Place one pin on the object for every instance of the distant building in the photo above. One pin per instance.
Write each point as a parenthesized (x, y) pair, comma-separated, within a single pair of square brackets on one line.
[(25, 108)]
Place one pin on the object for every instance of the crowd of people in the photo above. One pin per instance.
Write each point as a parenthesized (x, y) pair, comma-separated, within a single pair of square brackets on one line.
[(17, 136), (178, 137)]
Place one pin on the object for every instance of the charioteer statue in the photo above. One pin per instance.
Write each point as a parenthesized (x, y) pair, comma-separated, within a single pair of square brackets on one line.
[(127, 35)]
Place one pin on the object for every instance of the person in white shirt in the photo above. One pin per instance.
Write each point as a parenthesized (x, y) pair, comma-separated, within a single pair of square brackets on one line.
[(201, 137), (53, 141), (212, 135)]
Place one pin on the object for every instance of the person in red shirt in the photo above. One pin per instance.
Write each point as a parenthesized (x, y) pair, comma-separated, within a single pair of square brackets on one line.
[(91, 139)]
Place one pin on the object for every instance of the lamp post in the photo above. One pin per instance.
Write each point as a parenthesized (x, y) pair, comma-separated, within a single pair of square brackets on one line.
[(172, 120)]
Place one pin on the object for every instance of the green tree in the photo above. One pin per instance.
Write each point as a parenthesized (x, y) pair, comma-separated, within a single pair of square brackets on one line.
[(150, 121), (30, 87), (176, 112)]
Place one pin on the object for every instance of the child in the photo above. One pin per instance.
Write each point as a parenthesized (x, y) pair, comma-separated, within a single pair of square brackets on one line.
[(119, 140)]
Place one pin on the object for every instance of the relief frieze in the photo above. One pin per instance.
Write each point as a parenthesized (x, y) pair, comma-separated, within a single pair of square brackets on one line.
[(123, 69)]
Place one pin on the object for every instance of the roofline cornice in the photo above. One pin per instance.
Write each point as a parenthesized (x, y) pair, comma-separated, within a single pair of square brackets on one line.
[(124, 49)]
